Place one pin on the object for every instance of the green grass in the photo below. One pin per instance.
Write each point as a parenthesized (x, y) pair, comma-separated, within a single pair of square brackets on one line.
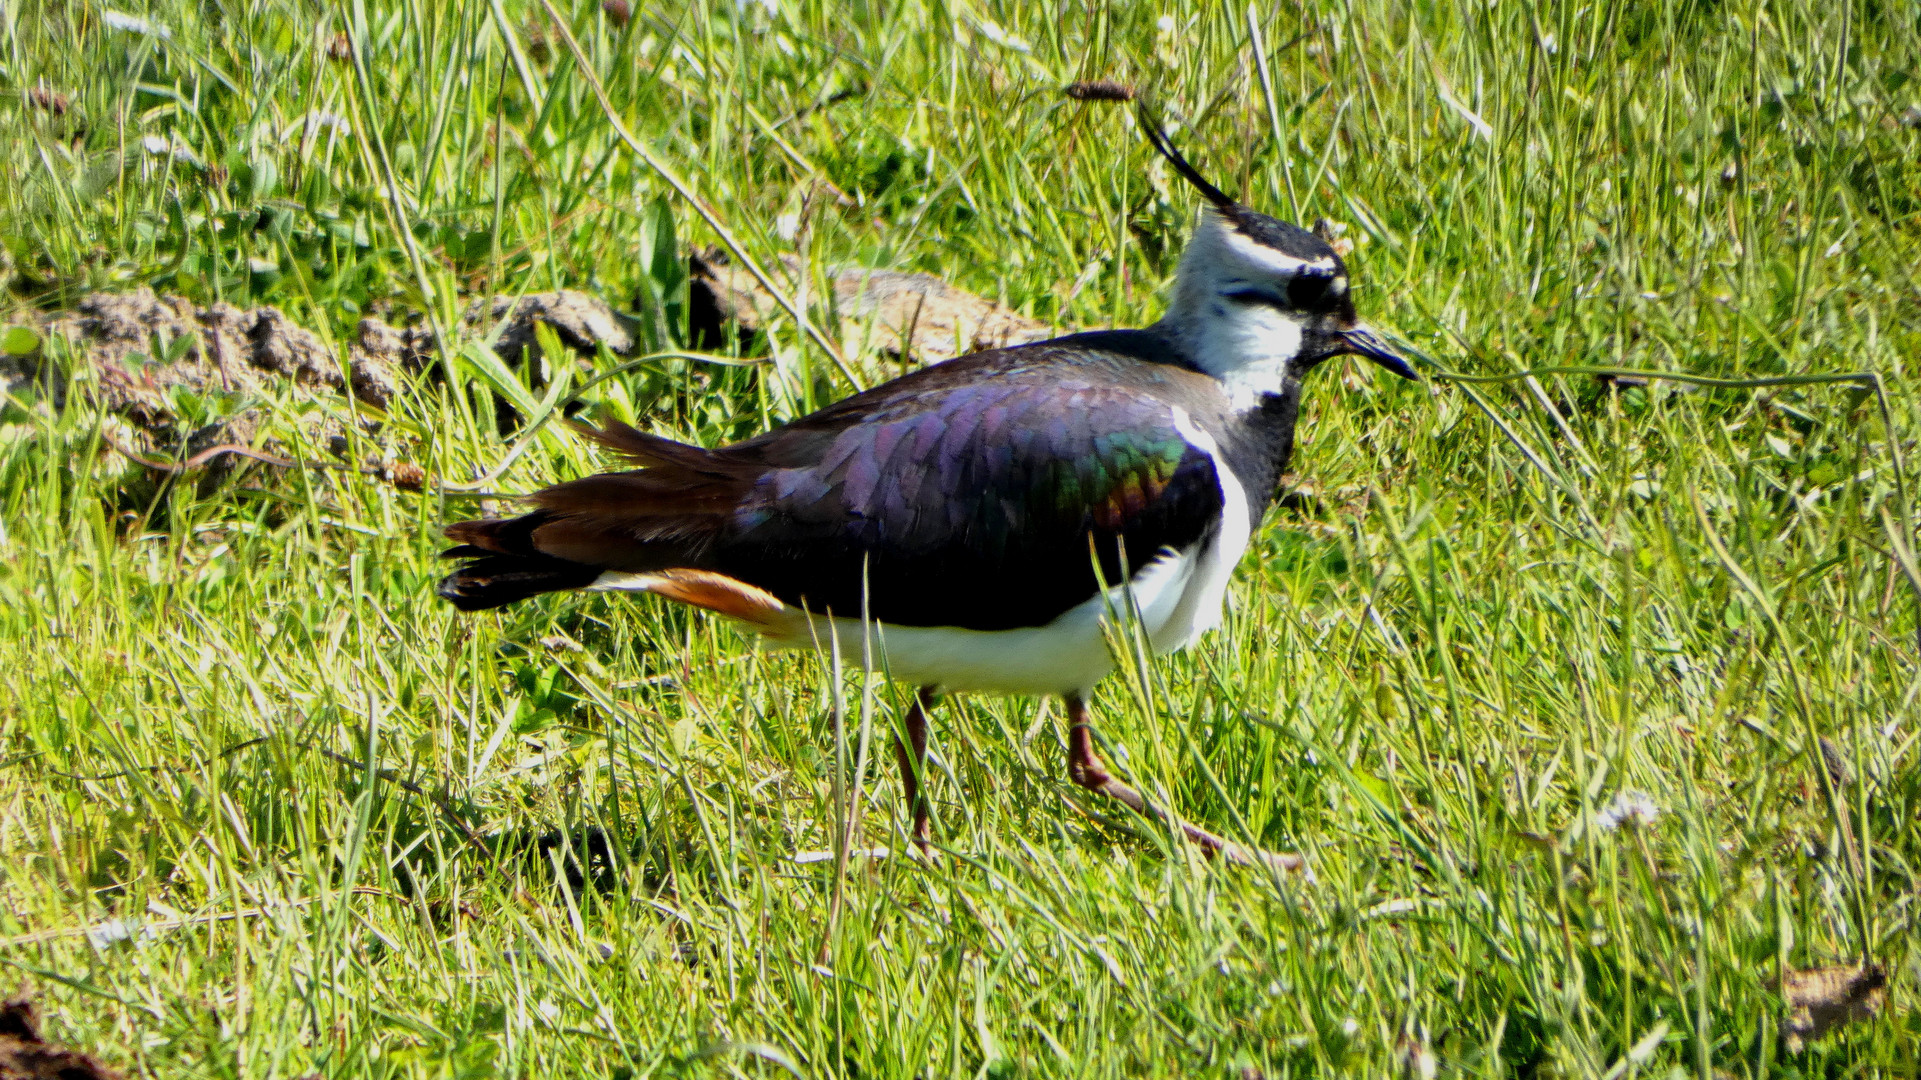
[(1511, 602)]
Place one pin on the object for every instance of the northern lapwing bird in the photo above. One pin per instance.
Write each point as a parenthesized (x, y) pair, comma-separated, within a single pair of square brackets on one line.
[(983, 520)]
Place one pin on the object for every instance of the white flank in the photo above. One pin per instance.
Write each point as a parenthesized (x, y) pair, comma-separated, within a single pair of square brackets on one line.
[(1201, 604)]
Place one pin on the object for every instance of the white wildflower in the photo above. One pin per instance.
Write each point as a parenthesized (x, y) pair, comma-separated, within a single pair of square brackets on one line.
[(160, 146), (320, 118), (995, 33), (1630, 807), (133, 24), (805, 858), (114, 931), (1165, 24)]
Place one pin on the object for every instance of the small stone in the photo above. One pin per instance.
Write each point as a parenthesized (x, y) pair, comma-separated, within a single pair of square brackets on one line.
[(406, 476)]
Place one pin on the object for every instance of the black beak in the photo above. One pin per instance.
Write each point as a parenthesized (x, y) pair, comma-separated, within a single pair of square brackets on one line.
[(1361, 341)]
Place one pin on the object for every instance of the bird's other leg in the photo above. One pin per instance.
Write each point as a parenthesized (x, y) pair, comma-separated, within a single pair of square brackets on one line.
[(1086, 770), (913, 763)]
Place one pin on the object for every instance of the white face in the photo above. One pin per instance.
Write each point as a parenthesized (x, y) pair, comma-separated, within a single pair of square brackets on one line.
[(1244, 310)]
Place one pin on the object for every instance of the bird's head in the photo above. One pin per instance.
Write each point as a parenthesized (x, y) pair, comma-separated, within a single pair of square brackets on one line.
[(1258, 301)]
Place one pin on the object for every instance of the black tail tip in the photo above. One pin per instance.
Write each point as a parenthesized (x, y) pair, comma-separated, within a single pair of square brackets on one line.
[(468, 595), (499, 580)]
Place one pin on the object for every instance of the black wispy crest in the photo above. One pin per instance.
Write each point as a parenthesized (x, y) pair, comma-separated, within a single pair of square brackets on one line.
[(1282, 236), (1151, 125)]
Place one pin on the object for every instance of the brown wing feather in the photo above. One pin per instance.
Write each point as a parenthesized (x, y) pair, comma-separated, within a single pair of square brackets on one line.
[(644, 449), (636, 521)]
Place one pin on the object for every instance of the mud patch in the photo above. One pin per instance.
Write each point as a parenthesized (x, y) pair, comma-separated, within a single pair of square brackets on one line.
[(24, 1055), (179, 379), (143, 347), (913, 317)]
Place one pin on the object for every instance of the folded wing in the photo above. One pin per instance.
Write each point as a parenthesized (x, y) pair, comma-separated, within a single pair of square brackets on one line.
[(990, 492)]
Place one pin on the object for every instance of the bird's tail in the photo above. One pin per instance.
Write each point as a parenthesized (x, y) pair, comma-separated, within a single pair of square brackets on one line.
[(493, 579), (505, 567), (641, 530)]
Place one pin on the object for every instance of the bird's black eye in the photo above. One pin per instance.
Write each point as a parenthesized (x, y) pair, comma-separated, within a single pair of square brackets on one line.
[(1311, 292)]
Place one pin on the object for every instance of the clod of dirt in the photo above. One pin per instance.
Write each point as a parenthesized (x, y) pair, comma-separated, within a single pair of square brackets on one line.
[(141, 352), (144, 347), (914, 317), (159, 366), (1824, 998), (24, 1055), (47, 99), (376, 352), (579, 320)]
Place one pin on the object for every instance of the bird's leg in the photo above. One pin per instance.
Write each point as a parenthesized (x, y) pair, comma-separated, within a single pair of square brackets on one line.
[(1086, 770), (913, 764)]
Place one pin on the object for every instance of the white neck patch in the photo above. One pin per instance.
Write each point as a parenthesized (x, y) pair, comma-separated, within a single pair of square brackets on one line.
[(1249, 347)]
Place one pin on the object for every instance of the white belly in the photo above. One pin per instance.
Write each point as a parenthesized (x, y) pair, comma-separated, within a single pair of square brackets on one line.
[(1178, 597)]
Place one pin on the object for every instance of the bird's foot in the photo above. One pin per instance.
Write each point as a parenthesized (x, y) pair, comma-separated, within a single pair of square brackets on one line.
[(1287, 862), (1085, 768)]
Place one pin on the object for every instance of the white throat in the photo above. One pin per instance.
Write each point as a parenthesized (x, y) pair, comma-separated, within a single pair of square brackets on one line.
[(1249, 349)]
